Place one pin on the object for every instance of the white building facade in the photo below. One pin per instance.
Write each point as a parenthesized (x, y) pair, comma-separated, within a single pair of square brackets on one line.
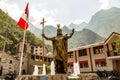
[(98, 56)]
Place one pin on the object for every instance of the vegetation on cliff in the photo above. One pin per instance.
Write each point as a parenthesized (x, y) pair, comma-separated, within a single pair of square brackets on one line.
[(11, 34)]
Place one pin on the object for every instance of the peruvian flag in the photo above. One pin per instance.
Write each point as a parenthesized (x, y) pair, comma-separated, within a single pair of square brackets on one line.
[(23, 21)]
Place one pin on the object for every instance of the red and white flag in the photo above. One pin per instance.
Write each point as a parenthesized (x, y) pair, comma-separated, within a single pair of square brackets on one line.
[(23, 21)]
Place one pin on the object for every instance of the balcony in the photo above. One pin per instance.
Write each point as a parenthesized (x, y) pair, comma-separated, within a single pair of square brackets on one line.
[(113, 55)]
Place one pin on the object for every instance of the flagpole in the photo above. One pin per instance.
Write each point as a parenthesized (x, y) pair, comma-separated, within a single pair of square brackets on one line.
[(21, 56), (23, 23), (43, 21)]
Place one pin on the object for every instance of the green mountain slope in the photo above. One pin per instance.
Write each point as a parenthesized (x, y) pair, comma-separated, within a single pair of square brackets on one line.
[(84, 37), (11, 33)]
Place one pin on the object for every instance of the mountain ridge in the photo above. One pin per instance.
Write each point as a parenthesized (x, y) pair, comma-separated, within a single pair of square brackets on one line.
[(104, 22), (77, 27), (78, 39)]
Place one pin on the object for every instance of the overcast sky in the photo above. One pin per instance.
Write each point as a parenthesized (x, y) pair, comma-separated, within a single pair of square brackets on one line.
[(57, 11)]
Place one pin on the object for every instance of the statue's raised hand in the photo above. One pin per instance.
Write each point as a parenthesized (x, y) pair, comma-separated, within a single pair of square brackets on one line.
[(73, 30)]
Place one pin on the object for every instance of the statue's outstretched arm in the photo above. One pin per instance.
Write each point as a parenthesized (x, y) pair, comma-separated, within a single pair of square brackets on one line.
[(70, 34), (47, 38)]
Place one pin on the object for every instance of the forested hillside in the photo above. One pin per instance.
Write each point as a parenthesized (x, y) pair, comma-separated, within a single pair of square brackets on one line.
[(10, 33)]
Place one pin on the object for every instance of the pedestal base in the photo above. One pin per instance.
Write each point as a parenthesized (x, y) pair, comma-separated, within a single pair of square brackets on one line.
[(43, 77), (57, 77), (82, 76)]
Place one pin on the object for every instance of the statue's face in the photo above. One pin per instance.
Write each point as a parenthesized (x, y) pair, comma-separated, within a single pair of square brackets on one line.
[(59, 32)]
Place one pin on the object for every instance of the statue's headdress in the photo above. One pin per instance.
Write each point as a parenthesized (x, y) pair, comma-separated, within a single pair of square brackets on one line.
[(58, 25), (59, 31)]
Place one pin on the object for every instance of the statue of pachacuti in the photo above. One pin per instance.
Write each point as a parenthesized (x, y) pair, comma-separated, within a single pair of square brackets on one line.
[(60, 49)]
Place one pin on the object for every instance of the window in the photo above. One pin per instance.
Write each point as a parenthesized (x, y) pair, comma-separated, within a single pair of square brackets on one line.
[(32, 47), (70, 54), (40, 46), (70, 65), (49, 60), (40, 53), (84, 64), (32, 57), (37, 57), (82, 52), (100, 62), (10, 61), (101, 49), (98, 49), (10, 68)]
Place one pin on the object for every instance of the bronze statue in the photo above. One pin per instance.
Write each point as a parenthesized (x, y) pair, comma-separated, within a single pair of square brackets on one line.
[(60, 49)]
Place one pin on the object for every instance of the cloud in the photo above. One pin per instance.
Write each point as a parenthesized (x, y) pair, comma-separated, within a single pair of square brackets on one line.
[(51, 21), (36, 16), (104, 4), (56, 11), (10, 9), (115, 3)]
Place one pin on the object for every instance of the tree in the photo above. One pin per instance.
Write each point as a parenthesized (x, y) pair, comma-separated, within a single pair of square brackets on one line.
[(116, 43)]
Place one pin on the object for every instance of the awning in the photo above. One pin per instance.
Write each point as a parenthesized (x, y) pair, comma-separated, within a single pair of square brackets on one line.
[(70, 63), (82, 62), (100, 60)]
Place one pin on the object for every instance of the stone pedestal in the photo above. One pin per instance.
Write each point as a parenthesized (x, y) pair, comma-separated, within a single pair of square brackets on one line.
[(89, 76), (82, 76), (57, 77), (43, 77)]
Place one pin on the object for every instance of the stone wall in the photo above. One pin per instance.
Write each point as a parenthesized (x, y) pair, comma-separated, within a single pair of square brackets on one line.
[(9, 63)]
